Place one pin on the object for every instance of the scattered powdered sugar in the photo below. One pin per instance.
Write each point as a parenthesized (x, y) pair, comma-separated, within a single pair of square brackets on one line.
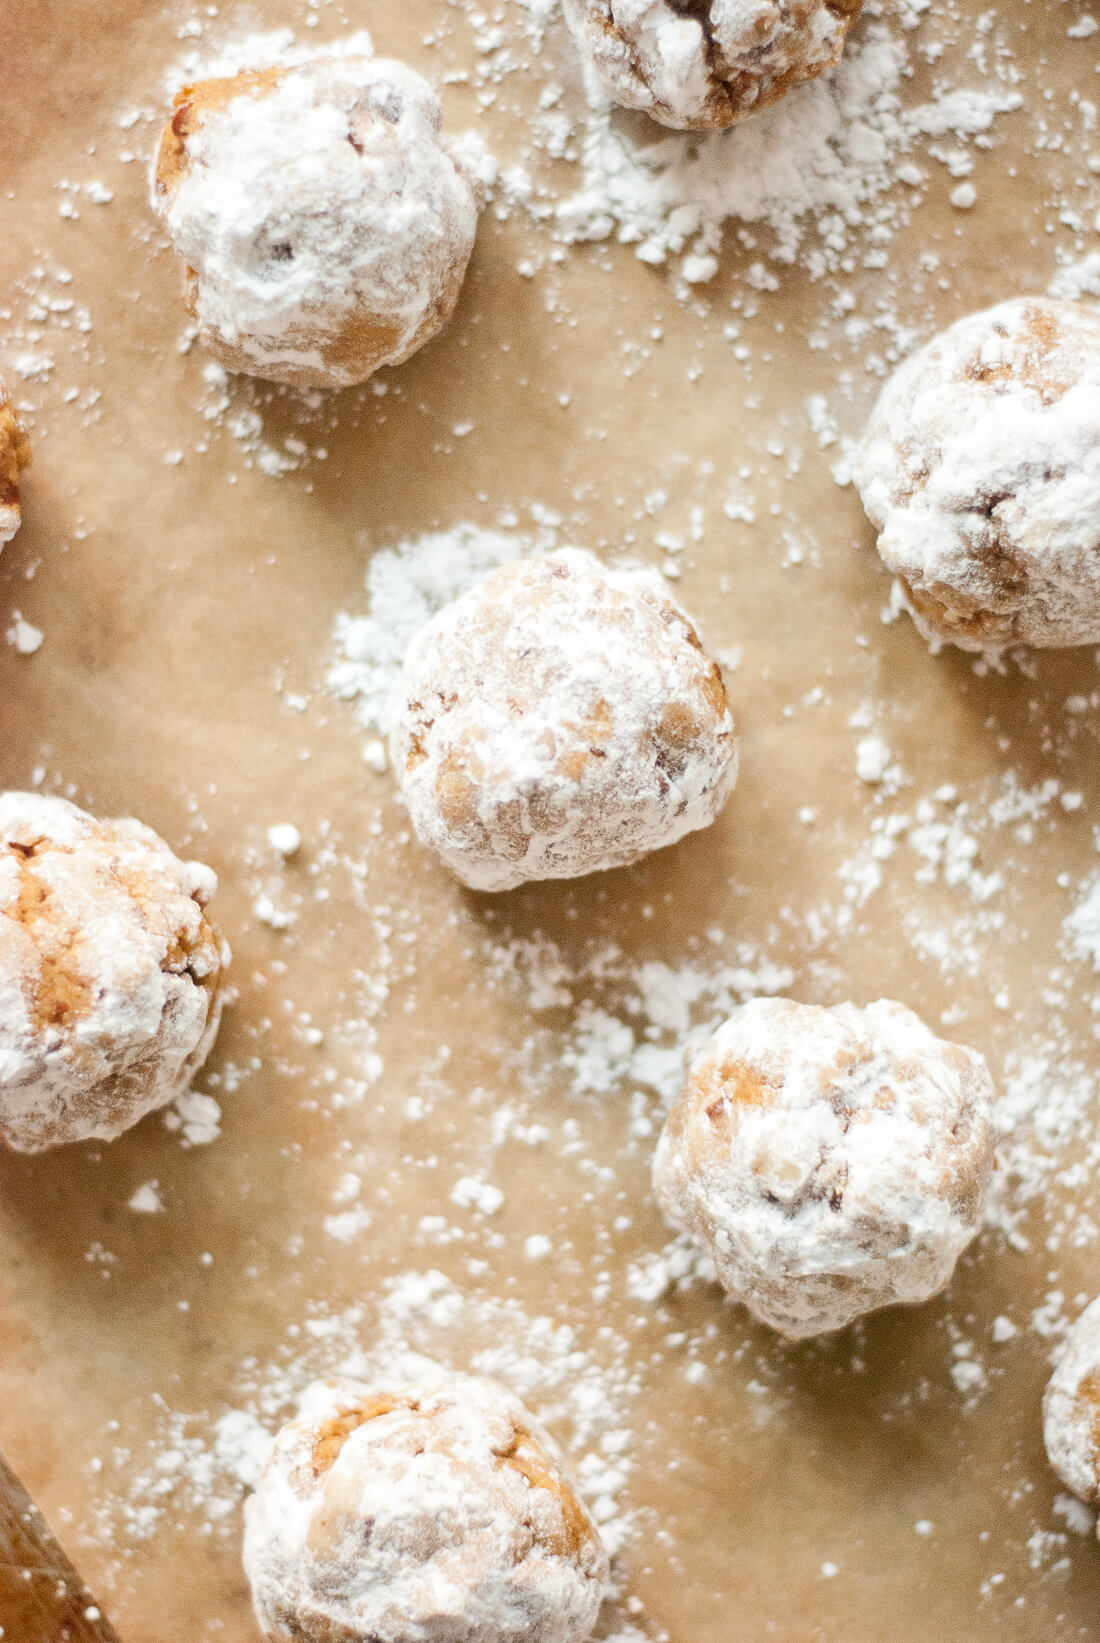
[(828, 154), (236, 403), (629, 1024), (407, 585), (197, 1463)]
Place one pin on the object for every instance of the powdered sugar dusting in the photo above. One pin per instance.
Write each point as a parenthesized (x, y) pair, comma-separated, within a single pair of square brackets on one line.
[(206, 1465), (528, 1053), (825, 157)]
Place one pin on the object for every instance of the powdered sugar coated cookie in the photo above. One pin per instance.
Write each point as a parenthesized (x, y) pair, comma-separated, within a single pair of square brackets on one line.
[(109, 973), (438, 1513), (830, 1161), (560, 719), (1071, 1408), (981, 468), (711, 64), (325, 227)]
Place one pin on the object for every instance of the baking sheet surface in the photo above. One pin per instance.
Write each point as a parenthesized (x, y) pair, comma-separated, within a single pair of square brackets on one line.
[(889, 1482)]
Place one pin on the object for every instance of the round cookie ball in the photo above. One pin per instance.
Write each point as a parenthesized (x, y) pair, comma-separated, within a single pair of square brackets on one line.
[(1071, 1408), (325, 228), (15, 455), (109, 973), (980, 466), (829, 1161), (560, 719), (694, 67), (438, 1513)]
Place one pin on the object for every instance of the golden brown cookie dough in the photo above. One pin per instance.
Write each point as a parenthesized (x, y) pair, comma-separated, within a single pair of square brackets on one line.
[(830, 1161), (560, 719), (109, 973), (980, 466), (696, 64), (325, 228), (15, 455), (437, 1513)]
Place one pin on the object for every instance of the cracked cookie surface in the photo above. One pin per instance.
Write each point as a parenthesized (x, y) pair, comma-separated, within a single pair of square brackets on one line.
[(700, 64), (560, 719), (109, 973), (435, 1513), (830, 1161), (980, 466), (324, 226)]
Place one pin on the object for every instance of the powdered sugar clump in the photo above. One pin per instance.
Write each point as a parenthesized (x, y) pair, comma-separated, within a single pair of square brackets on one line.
[(1075, 280), (1082, 925)]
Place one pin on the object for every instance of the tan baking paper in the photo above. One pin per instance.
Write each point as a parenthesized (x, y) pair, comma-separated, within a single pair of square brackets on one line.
[(401, 1047)]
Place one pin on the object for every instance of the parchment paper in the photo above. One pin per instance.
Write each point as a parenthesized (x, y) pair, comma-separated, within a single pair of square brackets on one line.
[(187, 598)]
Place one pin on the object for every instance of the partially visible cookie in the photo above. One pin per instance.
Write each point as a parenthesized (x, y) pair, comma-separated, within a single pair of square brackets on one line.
[(437, 1513), (1071, 1408), (110, 973), (710, 63), (980, 466), (15, 455)]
